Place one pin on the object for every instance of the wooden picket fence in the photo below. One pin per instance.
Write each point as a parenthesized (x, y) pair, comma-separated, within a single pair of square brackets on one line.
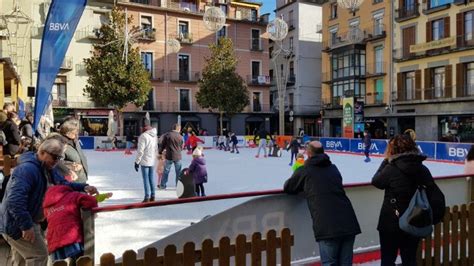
[(223, 253), (452, 241)]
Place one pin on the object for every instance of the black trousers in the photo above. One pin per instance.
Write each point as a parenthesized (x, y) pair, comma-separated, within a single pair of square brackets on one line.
[(199, 188), (391, 242)]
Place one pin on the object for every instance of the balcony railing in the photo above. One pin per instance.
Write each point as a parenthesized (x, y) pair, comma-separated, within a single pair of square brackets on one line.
[(147, 34), (376, 69), (407, 12), (258, 80), (185, 76), (374, 98), (183, 37), (183, 6), (255, 45), (437, 93), (428, 9), (291, 79), (332, 102), (73, 103), (257, 108), (89, 32), (375, 32)]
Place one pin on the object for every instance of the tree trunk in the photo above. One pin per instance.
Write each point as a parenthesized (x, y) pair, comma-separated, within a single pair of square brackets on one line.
[(220, 120)]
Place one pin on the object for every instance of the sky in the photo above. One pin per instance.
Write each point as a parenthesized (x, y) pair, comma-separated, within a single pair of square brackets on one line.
[(268, 7)]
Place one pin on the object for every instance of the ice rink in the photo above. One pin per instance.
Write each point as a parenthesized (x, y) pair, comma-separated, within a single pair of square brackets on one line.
[(228, 173)]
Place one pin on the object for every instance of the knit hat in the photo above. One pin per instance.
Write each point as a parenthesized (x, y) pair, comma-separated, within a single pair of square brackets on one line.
[(197, 151)]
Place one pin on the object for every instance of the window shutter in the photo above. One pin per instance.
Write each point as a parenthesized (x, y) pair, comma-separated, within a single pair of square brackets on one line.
[(418, 84), (460, 82), (400, 87), (447, 27), (459, 29), (428, 31), (401, 4), (428, 82), (448, 81)]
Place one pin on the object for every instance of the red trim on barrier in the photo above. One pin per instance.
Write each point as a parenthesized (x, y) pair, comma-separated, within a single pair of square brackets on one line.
[(360, 257), (225, 196)]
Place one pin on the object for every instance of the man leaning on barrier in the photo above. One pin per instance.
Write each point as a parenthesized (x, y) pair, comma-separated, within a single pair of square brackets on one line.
[(21, 209), (335, 224)]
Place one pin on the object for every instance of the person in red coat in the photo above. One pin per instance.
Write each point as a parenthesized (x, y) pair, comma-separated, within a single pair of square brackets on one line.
[(193, 141), (62, 208)]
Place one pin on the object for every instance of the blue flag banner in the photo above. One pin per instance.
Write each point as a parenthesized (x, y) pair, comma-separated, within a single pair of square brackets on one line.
[(61, 23)]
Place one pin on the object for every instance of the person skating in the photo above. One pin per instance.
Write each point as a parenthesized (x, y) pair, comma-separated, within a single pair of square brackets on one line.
[(299, 162), (199, 171), (173, 144), (129, 141), (234, 141), (294, 146), (146, 156), (193, 141), (367, 140), (262, 134)]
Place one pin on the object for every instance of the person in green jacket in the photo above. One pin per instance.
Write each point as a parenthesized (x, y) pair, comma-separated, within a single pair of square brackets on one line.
[(299, 161)]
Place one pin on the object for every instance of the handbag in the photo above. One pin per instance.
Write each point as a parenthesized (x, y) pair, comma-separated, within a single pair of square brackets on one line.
[(417, 220)]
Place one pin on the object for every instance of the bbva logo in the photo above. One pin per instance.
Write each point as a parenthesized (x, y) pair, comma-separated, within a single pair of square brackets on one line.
[(58, 26), (457, 152), (333, 144), (361, 146)]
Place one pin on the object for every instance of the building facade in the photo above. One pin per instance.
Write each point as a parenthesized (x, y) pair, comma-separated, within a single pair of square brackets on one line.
[(434, 66), (303, 93), (356, 62), (175, 74)]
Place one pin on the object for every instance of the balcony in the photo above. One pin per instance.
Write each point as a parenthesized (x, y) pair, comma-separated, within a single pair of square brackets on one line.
[(376, 32), (438, 93), (73, 103), (183, 37), (374, 98), (183, 6), (260, 80), (257, 108), (407, 12), (255, 45), (147, 34), (465, 91), (401, 54), (89, 32), (332, 102), (184, 76), (291, 80), (376, 70), (291, 25), (427, 9)]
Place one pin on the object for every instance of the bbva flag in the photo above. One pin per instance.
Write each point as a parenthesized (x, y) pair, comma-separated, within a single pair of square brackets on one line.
[(61, 23)]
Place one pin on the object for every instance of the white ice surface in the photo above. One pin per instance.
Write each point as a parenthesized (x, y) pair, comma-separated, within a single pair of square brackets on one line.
[(228, 173)]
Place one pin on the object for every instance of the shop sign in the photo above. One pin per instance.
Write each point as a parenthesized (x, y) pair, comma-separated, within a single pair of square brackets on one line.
[(97, 112), (348, 116), (432, 45)]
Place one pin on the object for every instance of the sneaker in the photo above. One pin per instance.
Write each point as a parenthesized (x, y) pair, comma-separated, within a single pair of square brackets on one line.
[(290, 164)]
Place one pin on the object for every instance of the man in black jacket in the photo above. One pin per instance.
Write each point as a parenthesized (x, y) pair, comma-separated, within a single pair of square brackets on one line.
[(172, 142), (335, 224)]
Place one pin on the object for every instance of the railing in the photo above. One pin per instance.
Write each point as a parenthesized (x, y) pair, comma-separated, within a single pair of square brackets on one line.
[(376, 69), (452, 241), (291, 25), (257, 108), (464, 91), (183, 6), (224, 252), (375, 32), (255, 45), (374, 98), (258, 80), (332, 102), (147, 34), (428, 9), (89, 32), (407, 12), (291, 79), (183, 37), (186, 76), (437, 93)]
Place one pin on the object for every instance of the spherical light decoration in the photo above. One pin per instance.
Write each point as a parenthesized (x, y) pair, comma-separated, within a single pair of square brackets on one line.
[(277, 29), (352, 5), (214, 19), (355, 35), (174, 45)]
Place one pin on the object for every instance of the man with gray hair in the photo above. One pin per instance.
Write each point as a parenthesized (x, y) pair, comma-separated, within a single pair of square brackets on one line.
[(335, 224), (74, 158), (21, 209)]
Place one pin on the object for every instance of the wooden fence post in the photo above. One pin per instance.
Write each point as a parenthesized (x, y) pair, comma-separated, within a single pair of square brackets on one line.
[(150, 257), (271, 248), (207, 249), (285, 247), (256, 253), (89, 233), (170, 256), (240, 253), (224, 251), (446, 236), (107, 259), (471, 234), (189, 252)]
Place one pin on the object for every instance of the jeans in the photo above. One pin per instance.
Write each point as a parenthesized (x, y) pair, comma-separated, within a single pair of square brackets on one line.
[(262, 144), (336, 251), (293, 155), (148, 181), (391, 242), (129, 145), (166, 171)]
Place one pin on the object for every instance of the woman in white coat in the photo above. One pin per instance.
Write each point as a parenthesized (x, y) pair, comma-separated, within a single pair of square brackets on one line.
[(146, 158)]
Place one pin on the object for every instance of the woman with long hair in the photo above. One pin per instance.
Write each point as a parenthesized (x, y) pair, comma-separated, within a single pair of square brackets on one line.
[(399, 175)]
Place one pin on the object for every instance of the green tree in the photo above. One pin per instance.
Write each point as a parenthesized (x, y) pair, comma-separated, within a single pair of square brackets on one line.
[(114, 80), (221, 88)]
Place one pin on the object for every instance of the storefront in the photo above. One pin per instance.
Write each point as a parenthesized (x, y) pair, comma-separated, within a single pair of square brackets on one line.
[(456, 128)]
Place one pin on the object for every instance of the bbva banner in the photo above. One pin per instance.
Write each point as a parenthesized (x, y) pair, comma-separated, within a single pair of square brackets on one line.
[(61, 23)]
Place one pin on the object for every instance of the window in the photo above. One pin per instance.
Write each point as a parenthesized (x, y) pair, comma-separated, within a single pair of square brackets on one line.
[(149, 105), (224, 9), (378, 25), (255, 71), (222, 33), (256, 105), (254, 15), (436, 3), (439, 82), (59, 93), (469, 26), (290, 19), (291, 76), (291, 100), (378, 59), (272, 78), (255, 39), (291, 44), (348, 63), (333, 11), (146, 24), (409, 38), (183, 28), (437, 31), (147, 61), (378, 1), (410, 86), (184, 104), (470, 79), (183, 64), (333, 37)]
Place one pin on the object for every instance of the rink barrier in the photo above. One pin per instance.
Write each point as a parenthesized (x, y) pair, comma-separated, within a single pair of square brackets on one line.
[(272, 246), (442, 151), (283, 211)]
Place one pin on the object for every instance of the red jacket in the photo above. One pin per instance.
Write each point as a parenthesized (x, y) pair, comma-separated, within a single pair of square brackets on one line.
[(193, 140), (62, 210)]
